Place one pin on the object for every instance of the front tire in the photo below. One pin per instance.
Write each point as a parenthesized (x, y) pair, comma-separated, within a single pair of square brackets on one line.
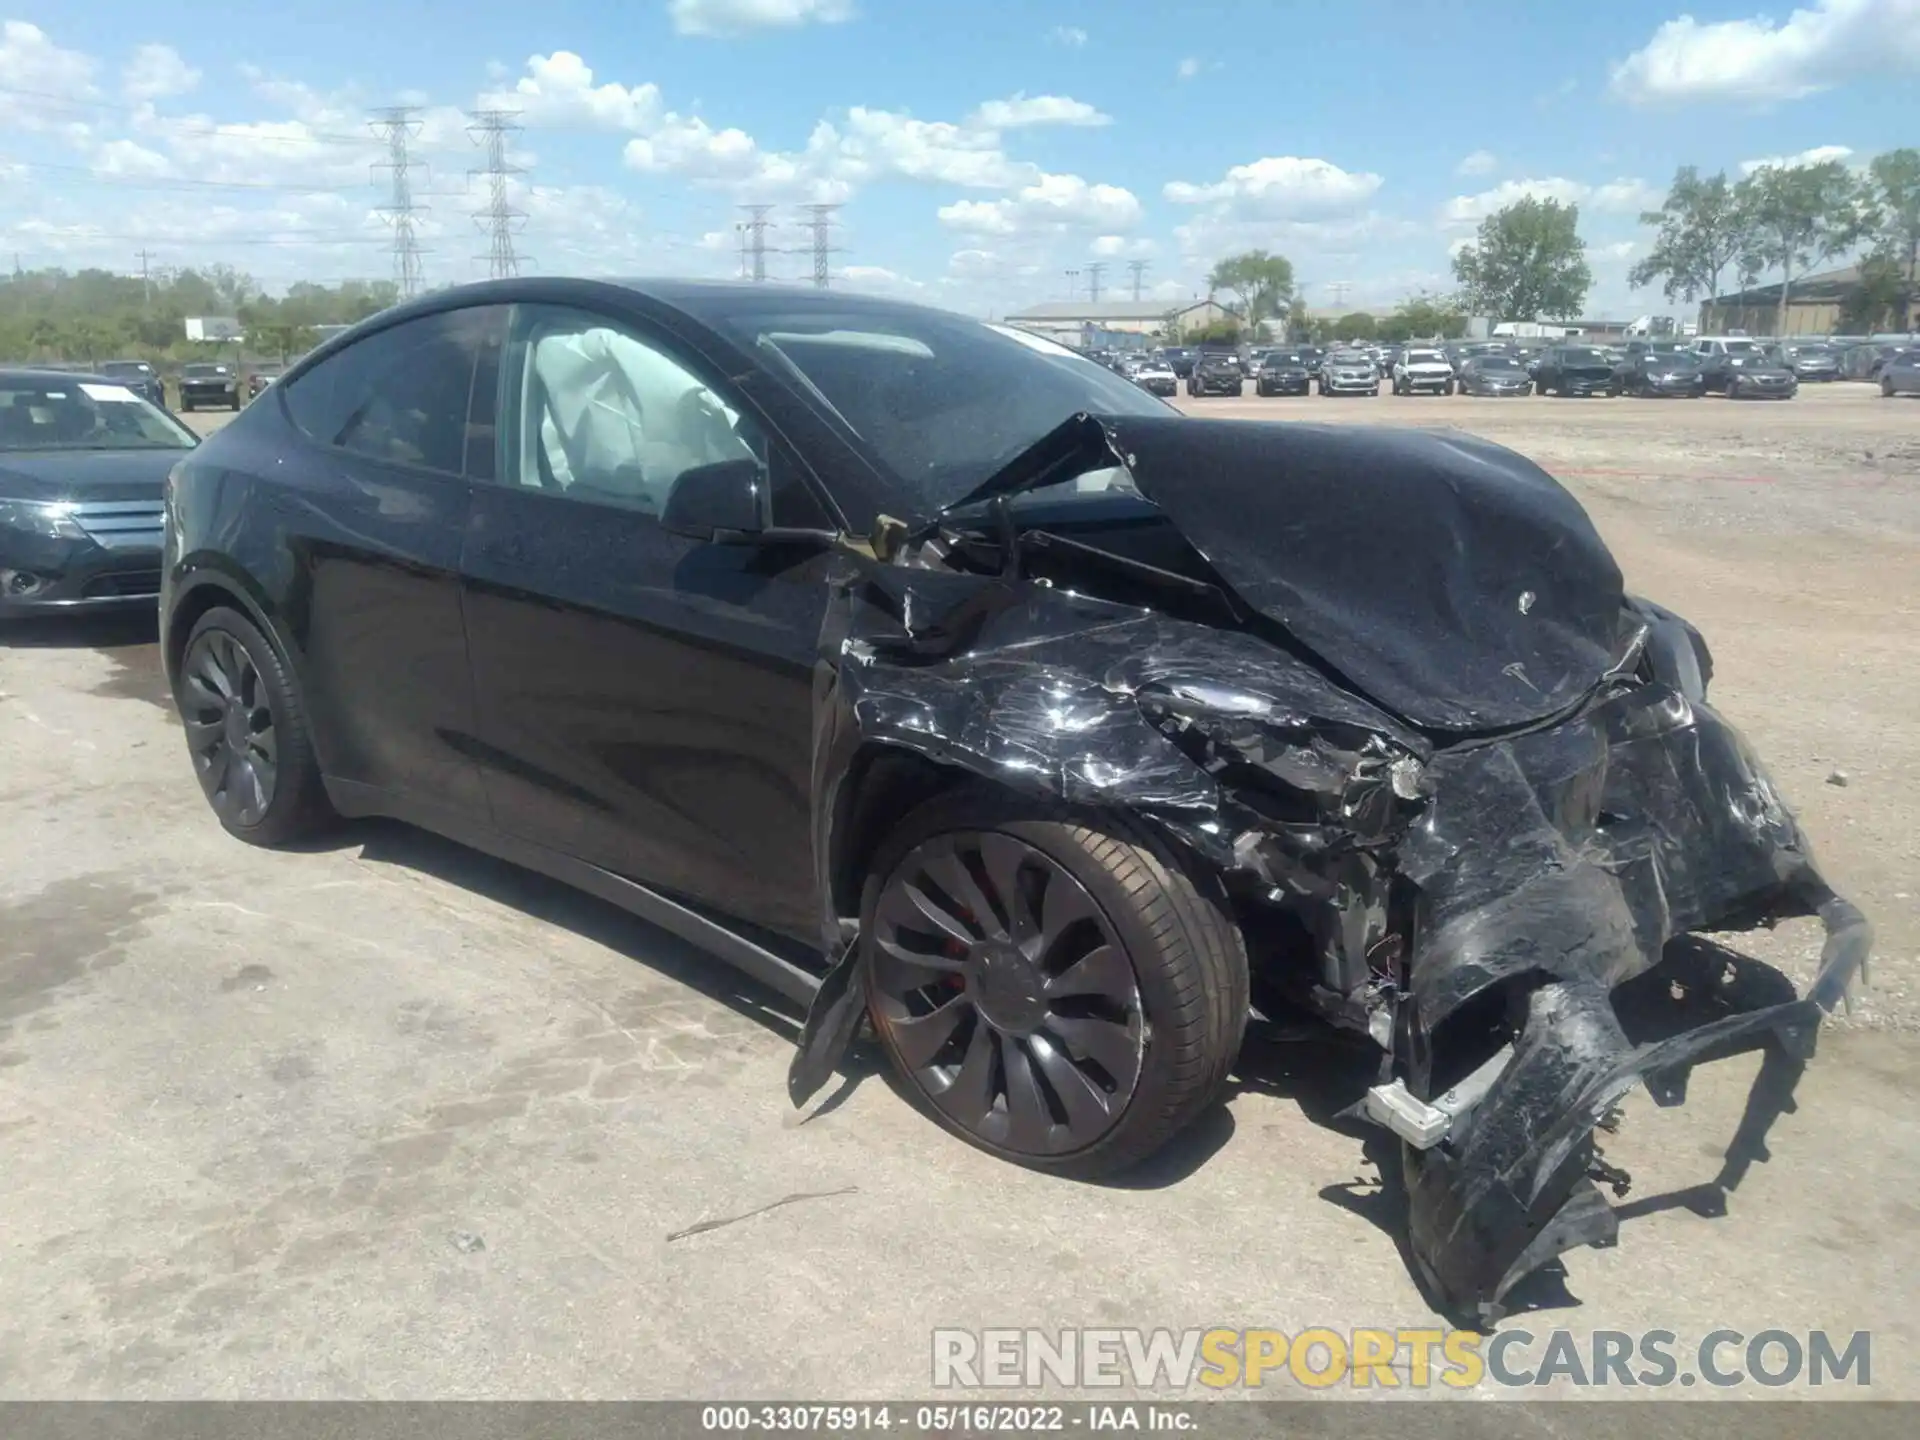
[(247, 733), (1051, 985), (1886, 387)]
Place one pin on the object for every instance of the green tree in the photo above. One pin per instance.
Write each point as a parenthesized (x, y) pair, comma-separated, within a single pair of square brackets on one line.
[(1425, 317), (1703, 228), (1799, 216), (1217, 332), (1357, 325), (1528, 262), (1879, 299), (1894, 186), (1300, 325), (1263, 283)]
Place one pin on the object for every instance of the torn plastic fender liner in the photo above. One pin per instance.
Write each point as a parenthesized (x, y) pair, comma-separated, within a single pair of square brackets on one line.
[(1559, 864), (1075, 699)]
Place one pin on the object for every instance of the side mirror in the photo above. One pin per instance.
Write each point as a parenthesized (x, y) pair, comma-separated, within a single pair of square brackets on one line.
[(725, 502)]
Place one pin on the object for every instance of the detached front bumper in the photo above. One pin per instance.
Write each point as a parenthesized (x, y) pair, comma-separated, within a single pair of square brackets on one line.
[(1564, 879)]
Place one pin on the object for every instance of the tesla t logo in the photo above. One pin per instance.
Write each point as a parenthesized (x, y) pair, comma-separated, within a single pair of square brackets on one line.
[(1519, 672)]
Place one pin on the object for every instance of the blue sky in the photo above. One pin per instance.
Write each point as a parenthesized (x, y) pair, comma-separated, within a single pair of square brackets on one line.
[(979, 151)]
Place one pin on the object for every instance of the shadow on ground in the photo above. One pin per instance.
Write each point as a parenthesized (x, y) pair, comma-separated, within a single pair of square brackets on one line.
[(127, 638)]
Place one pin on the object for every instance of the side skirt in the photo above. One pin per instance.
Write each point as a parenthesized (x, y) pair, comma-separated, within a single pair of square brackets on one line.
[(354, 799)]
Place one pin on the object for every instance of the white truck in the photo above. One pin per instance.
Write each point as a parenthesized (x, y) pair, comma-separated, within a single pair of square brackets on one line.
[(1418, 370)]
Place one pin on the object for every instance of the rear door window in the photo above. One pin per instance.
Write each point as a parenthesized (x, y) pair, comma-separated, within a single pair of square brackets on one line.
[(405, 395)]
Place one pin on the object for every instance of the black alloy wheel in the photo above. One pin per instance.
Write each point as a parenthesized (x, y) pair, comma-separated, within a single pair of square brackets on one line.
[(1063, 996), (230, 730), (1004, 991), (246, 732)]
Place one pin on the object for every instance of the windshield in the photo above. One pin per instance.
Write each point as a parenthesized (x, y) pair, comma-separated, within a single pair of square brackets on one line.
[(1351, 357), (127, 367), (943, 400), (1673, 360), (1582, 357), (203, 372), (1285, 357), (1425, 357), (1740, 347), (38, 415), (1495, 362)]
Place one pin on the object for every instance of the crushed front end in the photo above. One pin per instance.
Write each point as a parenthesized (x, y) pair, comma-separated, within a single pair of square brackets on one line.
[(1547, 872), (1480, 889)]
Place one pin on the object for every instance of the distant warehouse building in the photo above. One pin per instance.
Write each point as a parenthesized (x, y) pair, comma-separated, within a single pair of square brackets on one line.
[(1115, 323), (1814, 306)]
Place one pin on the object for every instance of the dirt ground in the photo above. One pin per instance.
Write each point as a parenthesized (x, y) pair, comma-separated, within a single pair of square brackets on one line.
[(382, 1118)]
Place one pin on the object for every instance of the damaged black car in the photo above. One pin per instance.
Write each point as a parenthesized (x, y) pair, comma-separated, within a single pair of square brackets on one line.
[(952, 686)]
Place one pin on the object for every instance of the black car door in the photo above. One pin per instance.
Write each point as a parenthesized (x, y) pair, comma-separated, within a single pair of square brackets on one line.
[(645, 700), (371, 519)]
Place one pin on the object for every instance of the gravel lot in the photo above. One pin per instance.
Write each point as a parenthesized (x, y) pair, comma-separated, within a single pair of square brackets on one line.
[(386, 1119)]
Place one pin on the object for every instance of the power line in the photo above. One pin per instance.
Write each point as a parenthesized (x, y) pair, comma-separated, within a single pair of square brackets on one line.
[(1339, 289), (195, 127), (491, 128), (820, 222), (1138, 268), (144, 182), (757, 224), (1094, 271), (397, 125)]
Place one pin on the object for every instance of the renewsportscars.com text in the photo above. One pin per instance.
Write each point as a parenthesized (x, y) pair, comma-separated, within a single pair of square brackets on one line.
[(1416, 1359)]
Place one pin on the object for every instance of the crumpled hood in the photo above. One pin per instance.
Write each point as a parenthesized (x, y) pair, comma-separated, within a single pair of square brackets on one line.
[(1451, 580)]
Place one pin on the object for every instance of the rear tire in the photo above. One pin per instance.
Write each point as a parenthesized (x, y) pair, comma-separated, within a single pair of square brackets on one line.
[(1079, 1035), (247, 733)]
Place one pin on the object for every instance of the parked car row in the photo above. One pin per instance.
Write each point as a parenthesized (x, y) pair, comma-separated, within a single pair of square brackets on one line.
[(211, 385)]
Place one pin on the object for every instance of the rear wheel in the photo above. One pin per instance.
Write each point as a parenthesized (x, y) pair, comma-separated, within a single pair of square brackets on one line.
[(1886, 387), (1051, 986), (247, 732)]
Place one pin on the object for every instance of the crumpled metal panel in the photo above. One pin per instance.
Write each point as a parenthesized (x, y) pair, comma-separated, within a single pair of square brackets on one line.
[(1563, 862), (1546, 867)]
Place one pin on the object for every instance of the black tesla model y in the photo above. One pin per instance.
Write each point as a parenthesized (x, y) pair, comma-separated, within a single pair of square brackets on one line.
[(950, 683)]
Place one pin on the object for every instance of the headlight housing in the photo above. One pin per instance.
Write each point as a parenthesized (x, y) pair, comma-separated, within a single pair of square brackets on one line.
[(50, 520)]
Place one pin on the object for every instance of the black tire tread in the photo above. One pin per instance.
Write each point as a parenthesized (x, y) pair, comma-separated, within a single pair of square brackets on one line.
[(300, 806), (1198, 944)]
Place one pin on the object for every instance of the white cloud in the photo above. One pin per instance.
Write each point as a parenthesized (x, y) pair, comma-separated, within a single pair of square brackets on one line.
[(1818, 155), (1188, 67), (878, 280), (1480, 162), (1280, 187), (1108, 247), (1759, 59), (29, 60), (1072, 36), (558, 89), (1051, 203), (883, 142), (1023, 110), (126, 158), (1616, 251), (1623, 196), (687, 145), (156, 72), (736, 17)]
